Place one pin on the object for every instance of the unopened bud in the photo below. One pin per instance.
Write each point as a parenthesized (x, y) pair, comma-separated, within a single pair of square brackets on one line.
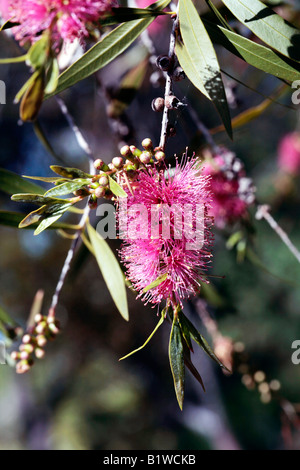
[(147, 144), (41, 341), (41, 327), (103, 181), (125, 151), (145, 157), (99, 192), (39, 353), (27, 339), (23, 366), (158, 104), (53, 328), (98, 164), (15, 355), (38, 318), (117, 162), (92, 202), (160, 156)]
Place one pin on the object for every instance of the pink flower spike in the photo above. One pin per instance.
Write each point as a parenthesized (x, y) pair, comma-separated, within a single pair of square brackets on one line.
[(289, 153), (174, 245), (67, 19)]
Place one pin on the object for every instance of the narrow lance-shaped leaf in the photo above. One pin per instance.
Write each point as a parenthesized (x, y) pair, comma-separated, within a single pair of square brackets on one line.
[(116, 188), (12, 183), (67, 188), (267, 25), (111, 271), (124, 14), (156, 283), (69, 173), (254, 54), (13, 219), (107, 49), (198, 58), (161, 320), (177, 361)]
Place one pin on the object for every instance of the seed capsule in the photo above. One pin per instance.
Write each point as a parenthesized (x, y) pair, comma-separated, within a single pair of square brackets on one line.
[(172, 102), (160, 156), (178, 74), (158, 104), (163, 62)]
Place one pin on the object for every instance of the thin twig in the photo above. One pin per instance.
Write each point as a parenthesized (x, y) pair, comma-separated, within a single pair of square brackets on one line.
[(263, 212), (67, 264), (168, 87)]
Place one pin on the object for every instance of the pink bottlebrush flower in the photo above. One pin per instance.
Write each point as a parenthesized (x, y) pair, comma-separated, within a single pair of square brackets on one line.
[(232, 192), (66, 19), (289, 153), (174, 255)]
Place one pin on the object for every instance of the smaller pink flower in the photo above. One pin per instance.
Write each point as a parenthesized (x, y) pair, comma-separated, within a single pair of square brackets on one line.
[(289, 153), (232, 192)]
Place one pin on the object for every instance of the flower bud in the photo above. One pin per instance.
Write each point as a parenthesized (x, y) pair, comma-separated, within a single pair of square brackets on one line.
[(98, 164), (145, 157), (158, 104), (38, 318), (15, 355), (147, 144), (99, 192), (41, 341), (23, 366), (103, 181), (92, 202), (53, 328), (125, 151), (39, 353), (27, 339), (117, 162), (160, 156), (41, 327)]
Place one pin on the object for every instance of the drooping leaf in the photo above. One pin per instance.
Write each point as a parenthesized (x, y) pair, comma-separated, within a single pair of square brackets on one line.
[(190, 365), (267, 25), (107, 49), (177, 361), (67, 188), (198, 58), (52, 77), (13, 219), (69, 173), (45, 224), (161, 320), (46, 179), (156, 283), (39, 199), (116, 188), (200, 340), (111, 271), (254, 54), (12, 183)]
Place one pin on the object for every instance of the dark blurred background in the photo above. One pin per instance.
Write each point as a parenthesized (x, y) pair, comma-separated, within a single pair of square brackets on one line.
[(80, 396)]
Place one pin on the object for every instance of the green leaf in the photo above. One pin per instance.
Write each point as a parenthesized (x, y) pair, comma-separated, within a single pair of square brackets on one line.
[(13, 219), (69, 173), (161, 320), (38, 53), (218, 15), (254, 54), (46, 179), (8, 25), (176, 357), (190, 365), (111, 271), (67, 188), (12, 183), (52, 77), (200, 340), (267, 25), (13, 60), (198, 59), (45, 224), (7, 325), (116, 188), (156, 283), (39, 199), (107, 49)]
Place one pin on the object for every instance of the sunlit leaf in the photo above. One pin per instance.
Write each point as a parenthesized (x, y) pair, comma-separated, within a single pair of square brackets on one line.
[(107, 49), (116, 188), (198, 58), (254, 54), (267, 25), (111, 271), (67, 188), (156, 283), (69, 173), (45, 224)]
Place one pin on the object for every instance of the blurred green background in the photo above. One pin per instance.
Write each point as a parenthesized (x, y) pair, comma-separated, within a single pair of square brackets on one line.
[(80, 396)]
